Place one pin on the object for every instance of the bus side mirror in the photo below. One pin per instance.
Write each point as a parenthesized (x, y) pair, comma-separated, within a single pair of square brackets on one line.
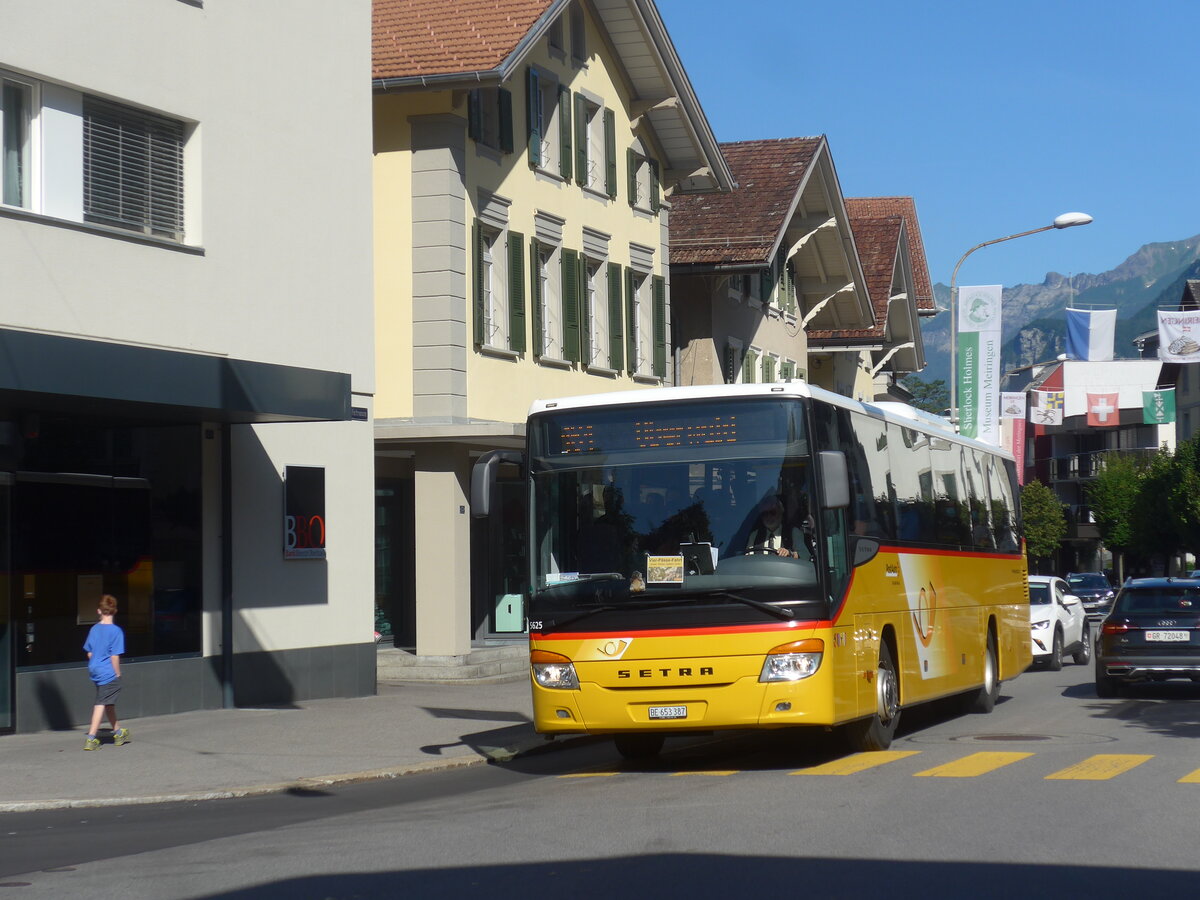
[(483, 479), (835, 479)]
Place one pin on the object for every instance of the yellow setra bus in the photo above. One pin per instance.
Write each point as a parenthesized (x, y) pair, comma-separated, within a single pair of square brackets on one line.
[(748, 556)]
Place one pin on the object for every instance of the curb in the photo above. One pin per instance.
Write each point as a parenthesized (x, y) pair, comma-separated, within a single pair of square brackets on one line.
[(310, 783)]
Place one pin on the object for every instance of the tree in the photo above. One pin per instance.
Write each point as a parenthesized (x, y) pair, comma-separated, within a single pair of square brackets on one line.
[(1044, 523), (1113, 497), (1155, 525), (931, 396)]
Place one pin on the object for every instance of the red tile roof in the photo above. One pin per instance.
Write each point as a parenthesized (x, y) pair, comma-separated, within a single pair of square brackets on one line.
[(741, 226), (445, 37), (878, 207), (878, 241)]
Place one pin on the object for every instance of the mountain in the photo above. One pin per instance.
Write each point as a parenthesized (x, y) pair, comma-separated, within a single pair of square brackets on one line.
[(1034, 321)]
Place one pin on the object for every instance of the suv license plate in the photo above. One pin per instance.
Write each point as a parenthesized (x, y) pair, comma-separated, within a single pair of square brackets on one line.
[(1172, 636), (668, 712)]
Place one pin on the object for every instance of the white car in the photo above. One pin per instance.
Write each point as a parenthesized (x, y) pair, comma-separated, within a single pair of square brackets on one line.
[(1058, 623)]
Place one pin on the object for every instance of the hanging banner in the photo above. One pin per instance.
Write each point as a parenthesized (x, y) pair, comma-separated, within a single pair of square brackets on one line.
[(979, 362), (1179, 336), (1012, 404), (1049, 410), (1158, 407), (1104, 410), (1090, 333), (1018, 448)]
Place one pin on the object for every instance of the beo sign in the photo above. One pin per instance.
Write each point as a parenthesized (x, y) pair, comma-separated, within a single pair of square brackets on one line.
[(304, 512)]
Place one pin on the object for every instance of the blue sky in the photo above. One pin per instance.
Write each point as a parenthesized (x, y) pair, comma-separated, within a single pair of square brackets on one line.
[(994, 117)]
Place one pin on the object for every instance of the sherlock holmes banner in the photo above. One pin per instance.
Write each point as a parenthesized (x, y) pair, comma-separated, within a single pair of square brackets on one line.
[(979, 362)]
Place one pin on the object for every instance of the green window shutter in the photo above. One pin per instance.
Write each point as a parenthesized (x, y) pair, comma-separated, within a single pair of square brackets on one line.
[(789, 285), (585, 313), (564, 132), (581, 140), (766, 285), (474, 115), (768, 370), (480, 299), (616, 335), (655, 188), (631, 163), (660, 326), (730, 372), (610, 154), (535, 296), (570, 304), (516, 292), (506, 120), (786, 371), (533, 102), (630, 323), (748, 361)]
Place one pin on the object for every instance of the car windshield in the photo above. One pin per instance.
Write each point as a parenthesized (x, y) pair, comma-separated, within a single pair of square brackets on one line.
[(1089, 580), (1159, 601), (1039, 593)]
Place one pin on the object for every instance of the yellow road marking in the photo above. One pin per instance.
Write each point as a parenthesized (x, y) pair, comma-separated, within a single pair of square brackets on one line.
[(710, 772), (1100, 767), (1193, 778), (975, 764), (589, 775), (859, 762)]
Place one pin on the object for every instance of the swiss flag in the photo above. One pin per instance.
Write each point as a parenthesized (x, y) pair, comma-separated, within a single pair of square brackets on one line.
[(1103, 410)]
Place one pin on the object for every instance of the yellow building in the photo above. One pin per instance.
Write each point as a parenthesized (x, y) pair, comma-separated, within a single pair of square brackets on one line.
[(525, 161)]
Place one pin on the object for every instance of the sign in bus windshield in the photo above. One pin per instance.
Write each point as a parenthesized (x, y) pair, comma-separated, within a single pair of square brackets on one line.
[(680, 426)]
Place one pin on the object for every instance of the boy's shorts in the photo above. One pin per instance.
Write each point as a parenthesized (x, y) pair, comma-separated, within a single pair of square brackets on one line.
[(106, 694)]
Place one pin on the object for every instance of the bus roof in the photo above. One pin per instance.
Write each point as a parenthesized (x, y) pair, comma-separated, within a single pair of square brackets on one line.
[(898, 413)]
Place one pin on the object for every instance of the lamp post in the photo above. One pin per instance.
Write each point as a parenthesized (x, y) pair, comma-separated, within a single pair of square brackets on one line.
[(1066, 220)]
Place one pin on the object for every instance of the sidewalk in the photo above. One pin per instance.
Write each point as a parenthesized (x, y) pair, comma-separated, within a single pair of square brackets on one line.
[(210, 754)]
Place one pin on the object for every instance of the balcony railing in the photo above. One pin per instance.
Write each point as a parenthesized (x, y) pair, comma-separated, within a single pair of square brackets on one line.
[(1076, 466)]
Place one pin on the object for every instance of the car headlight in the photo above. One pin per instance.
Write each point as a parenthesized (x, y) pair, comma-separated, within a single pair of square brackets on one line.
[(1109, 595), (1044, 623), (553, 670), (794, 661)]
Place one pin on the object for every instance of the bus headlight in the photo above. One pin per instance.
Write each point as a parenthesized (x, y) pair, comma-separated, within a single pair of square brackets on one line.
[(553, 670), (794, 661)]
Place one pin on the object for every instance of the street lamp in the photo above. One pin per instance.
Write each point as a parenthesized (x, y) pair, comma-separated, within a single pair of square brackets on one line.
[(1066, 220)]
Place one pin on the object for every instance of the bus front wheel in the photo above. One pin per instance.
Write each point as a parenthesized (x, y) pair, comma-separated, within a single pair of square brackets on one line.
[(639, 746), (876, 731)]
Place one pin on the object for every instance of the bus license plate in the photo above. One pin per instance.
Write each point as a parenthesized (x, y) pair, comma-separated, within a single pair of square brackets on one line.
[(668, 712), (1172, 636)]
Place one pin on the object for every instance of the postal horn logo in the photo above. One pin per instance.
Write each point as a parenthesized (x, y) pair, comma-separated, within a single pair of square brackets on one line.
[(980, 309)]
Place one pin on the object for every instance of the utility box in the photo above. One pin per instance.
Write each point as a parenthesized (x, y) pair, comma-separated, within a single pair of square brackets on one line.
[(509, 617)]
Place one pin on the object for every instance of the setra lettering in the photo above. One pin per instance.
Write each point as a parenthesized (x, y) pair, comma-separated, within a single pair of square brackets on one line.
[(681, 672)]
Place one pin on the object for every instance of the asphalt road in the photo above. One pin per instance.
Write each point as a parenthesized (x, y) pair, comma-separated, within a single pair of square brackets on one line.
[(1056, 792)]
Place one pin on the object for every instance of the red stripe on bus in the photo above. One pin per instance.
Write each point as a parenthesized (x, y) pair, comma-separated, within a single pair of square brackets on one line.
[(678, 632), (923, 551)]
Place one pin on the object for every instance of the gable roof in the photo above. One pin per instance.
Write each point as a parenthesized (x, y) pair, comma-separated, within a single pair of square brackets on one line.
[(743, 226), (906, 208), (415, 38), (878, 241), (448, 44)]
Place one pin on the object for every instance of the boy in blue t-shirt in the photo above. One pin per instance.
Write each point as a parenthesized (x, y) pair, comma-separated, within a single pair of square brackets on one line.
[(104, 645)]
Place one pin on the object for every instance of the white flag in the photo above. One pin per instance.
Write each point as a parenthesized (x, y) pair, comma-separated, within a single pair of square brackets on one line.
[(1012, 405), (1179, 335)]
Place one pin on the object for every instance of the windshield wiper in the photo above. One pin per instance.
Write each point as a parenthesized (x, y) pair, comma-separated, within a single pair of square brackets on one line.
[(611, 607), (777, 611)]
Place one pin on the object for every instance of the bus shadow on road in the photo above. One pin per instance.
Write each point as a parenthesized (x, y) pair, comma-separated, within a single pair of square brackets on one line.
[(702, 875)]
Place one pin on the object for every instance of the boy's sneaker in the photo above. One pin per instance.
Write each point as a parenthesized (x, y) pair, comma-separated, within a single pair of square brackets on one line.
[(91, 743), (120, 736)]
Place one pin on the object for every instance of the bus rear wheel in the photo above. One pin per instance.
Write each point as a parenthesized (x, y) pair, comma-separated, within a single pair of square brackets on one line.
[(876, 731), (639, 746), (984, 699)]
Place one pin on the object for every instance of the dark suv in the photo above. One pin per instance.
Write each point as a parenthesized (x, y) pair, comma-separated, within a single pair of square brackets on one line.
[(1152, 634), (1095, 592)]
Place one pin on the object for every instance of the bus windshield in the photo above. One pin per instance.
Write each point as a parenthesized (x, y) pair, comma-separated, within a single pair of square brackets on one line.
[(705, 503)]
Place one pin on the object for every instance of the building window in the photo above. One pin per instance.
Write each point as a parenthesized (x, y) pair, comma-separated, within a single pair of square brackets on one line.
[(732, 368), (546, 299), (644, 190), (554, 36), (770, 365), (645, 321), (16, 120), (499, 288), (750, 366), (489, 118), (595, 314), (132, 169), (578, 34), (548, 107), (592, 152)]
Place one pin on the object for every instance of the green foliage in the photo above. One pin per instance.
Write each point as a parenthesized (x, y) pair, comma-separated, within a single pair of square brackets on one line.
[(1042, 514), (1113, 496), (931, 396)]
